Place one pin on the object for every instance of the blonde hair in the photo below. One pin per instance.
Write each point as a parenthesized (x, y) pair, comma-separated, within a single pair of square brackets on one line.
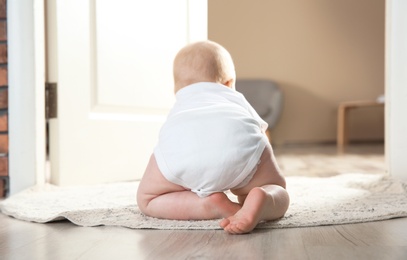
[(204, 61)]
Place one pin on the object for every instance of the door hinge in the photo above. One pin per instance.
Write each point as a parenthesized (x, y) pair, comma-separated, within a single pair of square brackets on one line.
[(51, 100)]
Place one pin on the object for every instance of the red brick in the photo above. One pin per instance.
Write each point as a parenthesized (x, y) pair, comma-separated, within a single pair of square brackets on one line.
[(3, 98), (3, 76), (1, 188), (3, 9), (3, 123), (4, 143), (4, 166), (3, 31), (3, 53)]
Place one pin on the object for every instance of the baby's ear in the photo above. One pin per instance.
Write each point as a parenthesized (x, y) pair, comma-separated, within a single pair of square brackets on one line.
[(230, 83)]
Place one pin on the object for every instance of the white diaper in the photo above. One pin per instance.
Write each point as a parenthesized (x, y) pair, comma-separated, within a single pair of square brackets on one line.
[(212, 140)]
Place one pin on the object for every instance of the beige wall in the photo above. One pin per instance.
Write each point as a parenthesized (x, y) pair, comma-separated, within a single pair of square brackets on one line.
[(320, 52)]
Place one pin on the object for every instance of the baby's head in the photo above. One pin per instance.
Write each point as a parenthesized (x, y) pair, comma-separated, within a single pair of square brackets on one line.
[(204, 61)]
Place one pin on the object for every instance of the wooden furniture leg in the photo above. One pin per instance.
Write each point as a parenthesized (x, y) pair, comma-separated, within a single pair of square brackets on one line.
[(342, 137), (343, 109)]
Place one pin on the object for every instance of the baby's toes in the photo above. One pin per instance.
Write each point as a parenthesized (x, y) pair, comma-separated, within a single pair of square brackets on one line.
[(224, 223)]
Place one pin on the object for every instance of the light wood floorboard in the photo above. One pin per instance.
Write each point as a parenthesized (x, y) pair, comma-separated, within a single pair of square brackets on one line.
[(64, 240), (371, 240)]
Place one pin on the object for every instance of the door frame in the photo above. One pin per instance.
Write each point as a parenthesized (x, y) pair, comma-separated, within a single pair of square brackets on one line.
[(27, 156), (395, 88), (26, 80)]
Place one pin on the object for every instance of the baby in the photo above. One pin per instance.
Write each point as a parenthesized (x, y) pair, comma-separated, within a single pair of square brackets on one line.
[(212, 141)]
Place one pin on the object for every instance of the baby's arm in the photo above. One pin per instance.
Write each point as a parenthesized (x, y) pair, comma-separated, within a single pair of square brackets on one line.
[(264, 203), (276, 189), (264, 198), (280, 200)]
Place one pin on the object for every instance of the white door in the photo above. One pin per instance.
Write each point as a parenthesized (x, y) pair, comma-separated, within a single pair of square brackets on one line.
[(112, 61)]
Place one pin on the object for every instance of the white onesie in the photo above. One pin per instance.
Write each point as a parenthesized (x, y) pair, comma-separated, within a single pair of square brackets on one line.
[(212, 140)]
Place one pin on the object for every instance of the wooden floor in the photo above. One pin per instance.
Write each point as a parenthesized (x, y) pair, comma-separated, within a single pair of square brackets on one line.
[(372, 240)]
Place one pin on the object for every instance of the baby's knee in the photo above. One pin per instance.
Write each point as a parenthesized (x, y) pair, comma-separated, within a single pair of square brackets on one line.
[(142, 201)]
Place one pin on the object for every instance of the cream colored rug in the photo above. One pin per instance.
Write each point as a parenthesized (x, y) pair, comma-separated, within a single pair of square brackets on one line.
[(346, 198)]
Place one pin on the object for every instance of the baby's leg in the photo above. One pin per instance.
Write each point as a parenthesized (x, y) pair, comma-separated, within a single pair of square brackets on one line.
[(157, 197), (263, 198), (268, 202)]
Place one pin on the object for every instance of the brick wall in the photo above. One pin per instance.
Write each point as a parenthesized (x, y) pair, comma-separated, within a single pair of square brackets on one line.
[(3, 99)]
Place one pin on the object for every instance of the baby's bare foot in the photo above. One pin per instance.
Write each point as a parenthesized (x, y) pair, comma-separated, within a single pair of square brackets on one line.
[(246, 219), (220, 204)]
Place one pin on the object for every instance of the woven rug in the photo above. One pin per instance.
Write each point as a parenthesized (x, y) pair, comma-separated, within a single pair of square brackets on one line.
[(342, 199)]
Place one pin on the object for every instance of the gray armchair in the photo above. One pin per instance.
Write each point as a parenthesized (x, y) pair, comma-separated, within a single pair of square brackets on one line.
[(265, 97)]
